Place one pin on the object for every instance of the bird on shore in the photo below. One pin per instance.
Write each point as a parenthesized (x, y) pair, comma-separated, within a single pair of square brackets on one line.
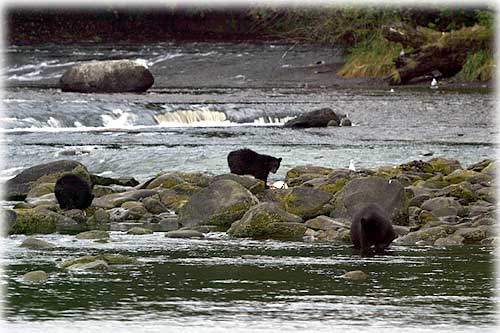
[(434, 83), (351, 165)]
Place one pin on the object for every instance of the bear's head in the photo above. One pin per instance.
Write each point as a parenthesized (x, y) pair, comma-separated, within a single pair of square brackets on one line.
[(274, 164)]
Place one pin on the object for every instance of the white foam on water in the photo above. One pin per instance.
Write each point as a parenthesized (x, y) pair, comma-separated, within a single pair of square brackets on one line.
[(123, 119)]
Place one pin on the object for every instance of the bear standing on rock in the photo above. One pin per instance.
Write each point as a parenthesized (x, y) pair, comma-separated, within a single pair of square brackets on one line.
[(371, 226), (72, 192), (248, 162)]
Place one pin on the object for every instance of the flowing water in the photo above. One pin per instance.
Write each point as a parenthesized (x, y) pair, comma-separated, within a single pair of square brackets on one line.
[(191, 119)]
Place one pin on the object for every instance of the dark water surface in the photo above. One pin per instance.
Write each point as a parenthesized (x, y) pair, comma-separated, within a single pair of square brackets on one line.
[(271, 285), (208, 100)]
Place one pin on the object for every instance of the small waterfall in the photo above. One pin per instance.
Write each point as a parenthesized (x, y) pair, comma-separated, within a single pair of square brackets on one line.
[(190, 117)]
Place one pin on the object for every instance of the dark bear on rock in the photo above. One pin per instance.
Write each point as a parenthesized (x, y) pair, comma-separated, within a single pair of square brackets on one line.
[(72, 192), (371, 227), (248, 162)]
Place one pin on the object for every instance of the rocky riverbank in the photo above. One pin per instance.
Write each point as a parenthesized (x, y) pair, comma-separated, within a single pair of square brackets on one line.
[(435, 202)]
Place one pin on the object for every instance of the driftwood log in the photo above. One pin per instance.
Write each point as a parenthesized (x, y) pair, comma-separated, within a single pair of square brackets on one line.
[(429, 50)]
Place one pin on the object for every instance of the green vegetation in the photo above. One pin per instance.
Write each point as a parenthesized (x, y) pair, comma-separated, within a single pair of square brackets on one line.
[(480, 65)]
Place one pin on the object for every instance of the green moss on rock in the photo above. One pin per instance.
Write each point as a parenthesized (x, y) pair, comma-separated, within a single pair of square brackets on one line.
[(31, 222)]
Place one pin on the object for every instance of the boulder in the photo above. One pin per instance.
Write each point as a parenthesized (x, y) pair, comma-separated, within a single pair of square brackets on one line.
[(106, 181), (221, 203), (390, 195), (139, 231), (31, 221), (108, 259), (117, 199), (35, 276), (18, 187), (93, 234), (326, 223), (252, 184), (99, 220), (425, 236), (444, 165), (108, 76), (36, 244), (316, 118), (166, 180), (8, 218), (345, 122), (306, 201), (154, 206), (355, 276), (268, 220), (470, 176), (185, 233), (442, 206), (307, 169)]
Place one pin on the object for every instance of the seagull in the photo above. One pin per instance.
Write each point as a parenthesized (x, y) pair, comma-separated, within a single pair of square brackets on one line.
[(402, 53), (434, 83), (392, 90), (351, 165)]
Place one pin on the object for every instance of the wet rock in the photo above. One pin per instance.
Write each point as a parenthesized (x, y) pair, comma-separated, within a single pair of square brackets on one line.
[(18, 187), (424, 236), (400, 230), (479, 166), (136, 210), (93, 234), (470, 176), (173, 200), (442, 206), (186, 189), (30, 221), (471, 235), (139, 231), (304, 178), (316, 118), (166, 180), (67, 225), (452, 240), (306, 169), (47, 200), (36, 244), (100, 190), (267, 220), (333, 123), (185, 233), (326, 223), (418, 200), (96, 265), (154, 206), (117, 199), (108, 76), (106, 181), (491, 169), (355, 276), (168, 224), (306, 201), (359, 192), (41, 189), (99, 220), (8, 218), (221, 203), (249, 182), (444, 165), (36, 276), (107, 259), (417, 166)]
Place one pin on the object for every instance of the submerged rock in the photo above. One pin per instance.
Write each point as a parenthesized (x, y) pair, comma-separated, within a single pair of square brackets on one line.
[(186, 233), (355, 276), (108, 76), (93, 234), (36, 276), (36, 244), (316, 118), (107, 259), (139, 231)]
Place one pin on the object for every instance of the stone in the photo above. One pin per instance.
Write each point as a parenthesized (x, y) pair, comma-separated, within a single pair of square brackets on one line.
[(444, 165), (424, 236), (121, 182), (442, 206), (154, 206), (315, 118), (17, 188), (41, 189), (117, 199), (307, 169), (418, 200), (36, 244), (185, 233), (345, 122), (36, 276), (326, 223), (8, 218), (333, 123), (139, 231), (306, 201), (470, 176), (355, 276), (97, 265), (221, 203), (99, 220), (166, 180), (93, 234), (389, 195), (30, 221), (109, 76), (252, 184), (109, 259), (265, 221)]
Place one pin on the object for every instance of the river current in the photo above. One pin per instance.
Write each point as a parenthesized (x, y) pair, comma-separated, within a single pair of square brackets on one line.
[(222, 284)]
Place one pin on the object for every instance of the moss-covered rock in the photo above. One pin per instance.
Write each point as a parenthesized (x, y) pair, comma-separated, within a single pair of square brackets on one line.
[(36, 276), (306, 201), (93, 234), (264, 220), (110, 259), (166, 180), (221, 203), (306, 169), (425, 235), (186, 189), (184, 233), (36, 244), (41, 189), (470, 176), (30, 221), (419, 166), (444, 165), (250, 183), (139, 231), (479, 166)]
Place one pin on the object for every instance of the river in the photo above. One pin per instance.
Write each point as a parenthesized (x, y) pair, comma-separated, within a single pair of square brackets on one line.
[(208, 100)]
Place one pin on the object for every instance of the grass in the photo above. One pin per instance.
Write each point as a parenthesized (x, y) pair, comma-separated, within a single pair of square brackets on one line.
[(373, 58), (480, 65)]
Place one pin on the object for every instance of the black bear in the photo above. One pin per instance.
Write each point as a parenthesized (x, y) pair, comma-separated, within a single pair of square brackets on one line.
[(371, 226), (72, 192), (248, 162)]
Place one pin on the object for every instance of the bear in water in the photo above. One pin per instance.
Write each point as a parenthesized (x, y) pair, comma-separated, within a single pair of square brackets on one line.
[(371, 226), (248, 162), (72, 192)]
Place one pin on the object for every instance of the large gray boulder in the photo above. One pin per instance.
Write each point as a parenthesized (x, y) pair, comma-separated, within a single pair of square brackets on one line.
[(18, 187), (268, 220), (307, 202), (390, 195), (316, 118), (107, 77), (220, 204)]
